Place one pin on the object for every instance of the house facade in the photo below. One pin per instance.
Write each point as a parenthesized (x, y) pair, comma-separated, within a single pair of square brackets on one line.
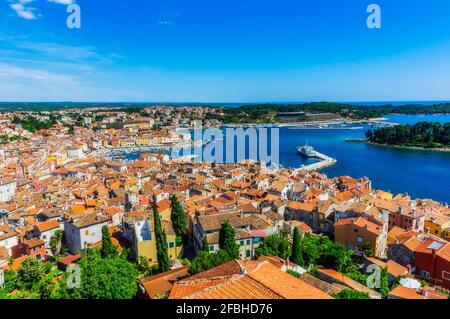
[(83, 231)]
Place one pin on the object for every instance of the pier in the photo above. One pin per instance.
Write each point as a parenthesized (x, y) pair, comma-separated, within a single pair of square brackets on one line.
[(325, 161)]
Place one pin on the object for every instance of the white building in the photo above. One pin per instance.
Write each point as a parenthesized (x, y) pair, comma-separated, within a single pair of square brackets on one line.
[(45, 231), (8, 240), (84, 231), (75, 153), (7, 190)]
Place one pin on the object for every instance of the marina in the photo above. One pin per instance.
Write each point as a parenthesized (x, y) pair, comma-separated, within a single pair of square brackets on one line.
[(309, 152), (420, 173)]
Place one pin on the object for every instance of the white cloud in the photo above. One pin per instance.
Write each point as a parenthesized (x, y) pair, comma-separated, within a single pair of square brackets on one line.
[(166, 22), (23, 10), (13, 73), (64, 2)]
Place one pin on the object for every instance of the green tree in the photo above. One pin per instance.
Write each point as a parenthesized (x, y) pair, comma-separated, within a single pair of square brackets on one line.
[(205, 246), (206, 260), (144, 268), (227, 240), (350, 294), (297, 255), (384, 283), (30, 273), (422, 134), (275, 245), (3, 294), (108, 248), (178, 218), (104, 278), (368, 250), (55, 242), (161, 242)]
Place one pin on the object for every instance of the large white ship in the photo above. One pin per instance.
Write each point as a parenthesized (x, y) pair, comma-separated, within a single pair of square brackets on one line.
[(306, 150)]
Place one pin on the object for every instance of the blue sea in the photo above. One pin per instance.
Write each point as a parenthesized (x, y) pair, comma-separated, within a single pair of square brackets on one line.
[(421, 174)]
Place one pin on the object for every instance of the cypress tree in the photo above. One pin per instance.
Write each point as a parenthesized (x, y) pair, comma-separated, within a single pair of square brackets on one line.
[(205, 244), (178, 218), (108, 249), (297, 255), (384, 283), (161, 243), (227, 240)]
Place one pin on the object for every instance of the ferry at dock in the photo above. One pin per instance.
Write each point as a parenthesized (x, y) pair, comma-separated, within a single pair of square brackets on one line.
[(306, 150)]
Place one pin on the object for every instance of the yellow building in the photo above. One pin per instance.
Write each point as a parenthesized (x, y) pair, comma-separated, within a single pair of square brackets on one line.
[(438, 224), (384, 195), (140, 231), (164, 209), (60, 158), (142, 141)]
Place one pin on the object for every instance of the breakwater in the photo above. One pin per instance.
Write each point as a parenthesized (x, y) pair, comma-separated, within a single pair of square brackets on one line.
[(325, 161)]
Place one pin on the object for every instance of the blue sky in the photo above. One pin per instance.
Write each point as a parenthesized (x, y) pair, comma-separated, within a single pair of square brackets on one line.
[(224, 51)]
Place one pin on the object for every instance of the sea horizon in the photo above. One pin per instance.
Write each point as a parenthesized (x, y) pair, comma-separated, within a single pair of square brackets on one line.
[(223, 104)]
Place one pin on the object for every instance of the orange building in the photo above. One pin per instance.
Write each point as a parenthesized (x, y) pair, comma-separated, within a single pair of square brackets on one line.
[(355, 233), (433, 262)]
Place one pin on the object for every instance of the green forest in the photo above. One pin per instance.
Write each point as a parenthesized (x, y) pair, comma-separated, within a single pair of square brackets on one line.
[(267, 113), (423, 134)]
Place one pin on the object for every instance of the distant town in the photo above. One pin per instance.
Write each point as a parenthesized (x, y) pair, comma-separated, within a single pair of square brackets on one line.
[(80, 221)]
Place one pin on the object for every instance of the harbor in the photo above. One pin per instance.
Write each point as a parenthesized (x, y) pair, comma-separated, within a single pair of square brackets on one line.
[(309, 152)]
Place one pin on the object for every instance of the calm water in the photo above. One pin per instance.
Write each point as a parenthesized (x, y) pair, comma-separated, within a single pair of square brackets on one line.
[(422, 174)]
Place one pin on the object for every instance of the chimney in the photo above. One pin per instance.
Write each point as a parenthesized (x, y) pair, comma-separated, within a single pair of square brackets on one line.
[(409, 267), (242, 267)]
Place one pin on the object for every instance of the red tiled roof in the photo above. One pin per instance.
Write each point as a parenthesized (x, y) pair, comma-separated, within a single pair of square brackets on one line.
[(243, 280), (67, 260), (48, 225), (161, 284)]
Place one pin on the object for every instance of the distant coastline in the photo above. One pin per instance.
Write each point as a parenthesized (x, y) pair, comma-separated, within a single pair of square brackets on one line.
[(416, 148)]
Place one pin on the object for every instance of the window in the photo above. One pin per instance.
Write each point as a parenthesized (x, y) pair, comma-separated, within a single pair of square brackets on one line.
[(256, 240), (211, 248), (360, 239), (356, 230), (446, 275), (425, 274), (171, 244), (242, 243), (86, 232), (247, 253), (248, 241)]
